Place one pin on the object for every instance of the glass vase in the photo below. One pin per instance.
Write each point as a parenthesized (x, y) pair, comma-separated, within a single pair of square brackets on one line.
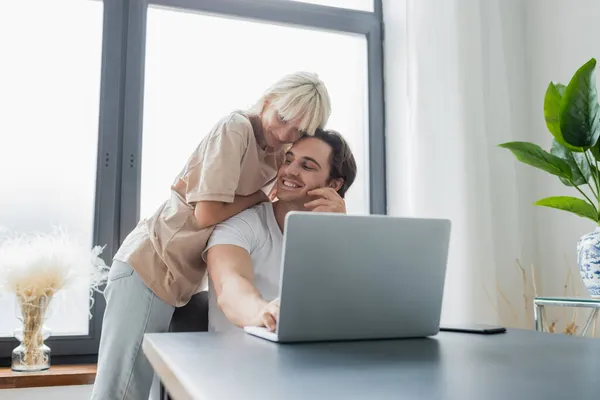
[(32, 354)]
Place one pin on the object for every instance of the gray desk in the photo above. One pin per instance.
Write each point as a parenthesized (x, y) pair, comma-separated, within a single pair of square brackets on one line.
[(516, 365)]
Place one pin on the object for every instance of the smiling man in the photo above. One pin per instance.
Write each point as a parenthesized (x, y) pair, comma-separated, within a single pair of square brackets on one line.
[(244, 252)]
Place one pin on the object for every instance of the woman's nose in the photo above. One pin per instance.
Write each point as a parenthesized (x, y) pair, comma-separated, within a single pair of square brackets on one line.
[(291, 135)]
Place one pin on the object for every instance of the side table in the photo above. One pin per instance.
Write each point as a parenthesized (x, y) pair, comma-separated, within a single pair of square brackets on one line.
[(540, 302)]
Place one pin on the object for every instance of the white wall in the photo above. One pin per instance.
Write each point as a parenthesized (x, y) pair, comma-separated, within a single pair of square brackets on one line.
[(455, 88), (561, 36), (82, 392), (507, 52), (78, 392), (503, 28)]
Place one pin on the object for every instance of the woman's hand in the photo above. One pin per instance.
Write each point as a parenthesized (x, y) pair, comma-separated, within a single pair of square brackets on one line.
[(329, 201), (269, 316), (273, 194), (260, 197)]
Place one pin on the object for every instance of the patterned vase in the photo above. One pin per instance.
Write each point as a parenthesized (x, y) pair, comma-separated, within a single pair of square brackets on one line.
[(588, 259)]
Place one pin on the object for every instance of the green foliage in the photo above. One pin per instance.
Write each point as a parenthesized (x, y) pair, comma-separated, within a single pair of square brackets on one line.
[(572, 116)]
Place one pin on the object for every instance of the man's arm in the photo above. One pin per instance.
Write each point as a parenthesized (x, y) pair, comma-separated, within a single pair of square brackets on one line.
[(230, 269)]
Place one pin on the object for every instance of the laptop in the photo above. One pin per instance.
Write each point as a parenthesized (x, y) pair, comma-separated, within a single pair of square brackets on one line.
[(357, 277)]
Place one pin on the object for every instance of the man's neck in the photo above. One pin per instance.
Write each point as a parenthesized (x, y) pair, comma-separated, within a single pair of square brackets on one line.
[(281, 208)]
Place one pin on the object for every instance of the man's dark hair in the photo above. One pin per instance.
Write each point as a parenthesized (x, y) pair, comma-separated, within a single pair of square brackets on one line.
[(342, 163)]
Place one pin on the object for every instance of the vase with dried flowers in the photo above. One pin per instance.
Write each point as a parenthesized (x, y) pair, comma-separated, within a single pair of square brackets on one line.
[(32, 354), (34, 268)]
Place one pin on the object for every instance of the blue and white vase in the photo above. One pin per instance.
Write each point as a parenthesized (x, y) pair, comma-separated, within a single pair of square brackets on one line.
[(588, 259)]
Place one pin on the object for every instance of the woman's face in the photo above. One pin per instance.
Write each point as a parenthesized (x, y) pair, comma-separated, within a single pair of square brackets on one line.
[(278, 132)]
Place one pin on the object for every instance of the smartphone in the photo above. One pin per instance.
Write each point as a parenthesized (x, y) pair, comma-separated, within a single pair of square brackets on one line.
[(473, 328)]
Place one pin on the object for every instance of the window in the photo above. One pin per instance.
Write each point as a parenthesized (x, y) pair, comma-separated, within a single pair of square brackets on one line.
[(50, 80), (191, 82), (89, 86), (364, 5)]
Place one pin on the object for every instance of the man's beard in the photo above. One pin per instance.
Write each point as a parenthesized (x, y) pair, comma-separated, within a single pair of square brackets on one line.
[(297, 202)]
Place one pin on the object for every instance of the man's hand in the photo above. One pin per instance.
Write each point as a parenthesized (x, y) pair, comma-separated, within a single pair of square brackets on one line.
[(269, 315), (329, 201)]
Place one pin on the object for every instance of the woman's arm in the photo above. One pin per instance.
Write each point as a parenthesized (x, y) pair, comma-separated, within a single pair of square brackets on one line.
[(215, 171), (210, 213), (230, 269)]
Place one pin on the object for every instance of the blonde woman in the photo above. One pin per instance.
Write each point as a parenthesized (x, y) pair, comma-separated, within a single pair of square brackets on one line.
[(159, 265)]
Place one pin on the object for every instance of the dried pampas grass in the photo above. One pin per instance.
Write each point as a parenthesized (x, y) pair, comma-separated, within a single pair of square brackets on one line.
[(35, 267), (40, 265), (523, 318)]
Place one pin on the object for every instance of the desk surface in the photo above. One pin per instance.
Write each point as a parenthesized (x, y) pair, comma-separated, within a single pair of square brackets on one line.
[(512, 366)]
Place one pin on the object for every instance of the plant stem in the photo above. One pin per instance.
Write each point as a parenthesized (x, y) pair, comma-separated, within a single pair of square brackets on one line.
[(33, 312), (595, 176), (592, 189), (586, 196)]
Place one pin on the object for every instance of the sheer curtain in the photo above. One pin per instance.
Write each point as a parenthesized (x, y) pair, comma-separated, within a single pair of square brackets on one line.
[(455, 88)]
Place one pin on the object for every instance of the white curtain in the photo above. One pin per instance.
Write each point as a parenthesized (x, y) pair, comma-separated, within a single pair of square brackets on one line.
[(455, 88)]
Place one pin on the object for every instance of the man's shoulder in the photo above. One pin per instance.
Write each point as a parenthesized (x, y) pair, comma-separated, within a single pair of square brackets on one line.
[(249, 229), (254, 217)]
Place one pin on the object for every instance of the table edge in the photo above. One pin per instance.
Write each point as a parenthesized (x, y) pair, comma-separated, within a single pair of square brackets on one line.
[(169, 378)]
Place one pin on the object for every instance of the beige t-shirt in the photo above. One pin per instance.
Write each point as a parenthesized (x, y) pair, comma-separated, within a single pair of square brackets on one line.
[(166, 249)]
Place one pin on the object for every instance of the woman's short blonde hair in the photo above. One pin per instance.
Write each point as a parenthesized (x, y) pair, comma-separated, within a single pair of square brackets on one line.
[(298, 95)]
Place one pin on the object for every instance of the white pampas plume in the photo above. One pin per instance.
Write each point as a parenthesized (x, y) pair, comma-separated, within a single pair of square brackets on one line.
[(33, 266)]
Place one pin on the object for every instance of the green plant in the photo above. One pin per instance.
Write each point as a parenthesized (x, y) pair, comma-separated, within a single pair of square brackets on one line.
[(572, 116)]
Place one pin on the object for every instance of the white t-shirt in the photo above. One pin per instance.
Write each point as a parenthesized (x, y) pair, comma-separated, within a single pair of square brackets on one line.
[(255, 230)]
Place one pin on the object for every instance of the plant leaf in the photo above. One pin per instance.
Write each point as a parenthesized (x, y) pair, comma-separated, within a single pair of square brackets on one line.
[(595, 150), (579, 115), (580, 169), (534, 155), (594, 172), (554, 94), (571, 204)]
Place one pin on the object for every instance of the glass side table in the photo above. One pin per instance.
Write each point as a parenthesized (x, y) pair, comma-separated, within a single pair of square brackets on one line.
[(540, 302)]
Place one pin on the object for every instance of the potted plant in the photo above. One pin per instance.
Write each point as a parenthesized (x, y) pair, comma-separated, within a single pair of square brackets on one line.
[(572, 116)]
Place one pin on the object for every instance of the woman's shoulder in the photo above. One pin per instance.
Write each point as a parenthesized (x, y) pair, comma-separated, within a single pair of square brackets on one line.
[(237, 122)]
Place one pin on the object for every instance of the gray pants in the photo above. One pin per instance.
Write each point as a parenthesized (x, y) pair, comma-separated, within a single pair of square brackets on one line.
[(132, 309)]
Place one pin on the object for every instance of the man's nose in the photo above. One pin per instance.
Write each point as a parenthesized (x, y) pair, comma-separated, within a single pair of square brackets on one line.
[(293, 169)]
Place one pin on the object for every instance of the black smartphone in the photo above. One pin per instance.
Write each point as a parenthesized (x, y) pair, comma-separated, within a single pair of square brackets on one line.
[(473, 328)]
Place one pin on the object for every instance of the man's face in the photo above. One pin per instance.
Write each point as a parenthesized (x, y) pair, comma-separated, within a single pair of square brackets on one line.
[(306, 167)]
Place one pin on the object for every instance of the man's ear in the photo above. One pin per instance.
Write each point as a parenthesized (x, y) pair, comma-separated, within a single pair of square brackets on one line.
[(336, 184)]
